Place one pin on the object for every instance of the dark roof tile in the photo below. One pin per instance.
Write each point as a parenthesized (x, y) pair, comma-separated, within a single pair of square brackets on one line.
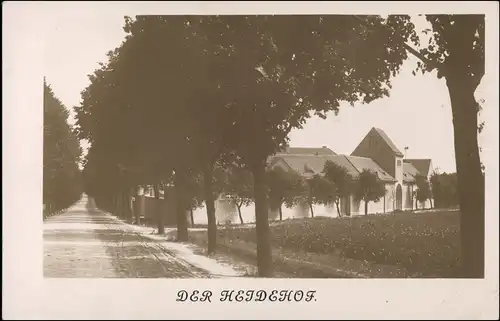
[(307, 151), (362, 163), (310, 164)]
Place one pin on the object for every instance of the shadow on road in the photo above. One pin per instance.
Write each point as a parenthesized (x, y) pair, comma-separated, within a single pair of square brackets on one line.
[(133, 256)]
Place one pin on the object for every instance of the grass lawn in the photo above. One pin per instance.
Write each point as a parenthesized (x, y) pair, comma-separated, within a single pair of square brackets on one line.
[(393, 245)]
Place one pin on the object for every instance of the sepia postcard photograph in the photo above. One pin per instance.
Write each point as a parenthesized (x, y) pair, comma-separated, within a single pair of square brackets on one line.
[(177, 145)]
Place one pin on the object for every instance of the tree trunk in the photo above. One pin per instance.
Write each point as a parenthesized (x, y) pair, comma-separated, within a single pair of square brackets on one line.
[(119, 209), (124, 204), (366, 207), (127, 211), (114, 207), (280, 208), (137, 207), (469, 175), (338, 208), (159, 214), (192, 217), (311, 207), (179, 184), (210, 204), (119, 205), (264, 254), (238, 206), (412, 195)]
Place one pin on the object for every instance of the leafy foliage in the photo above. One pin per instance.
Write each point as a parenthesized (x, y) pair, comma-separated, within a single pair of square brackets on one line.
[(340, 177), (285, 187), (321, 191), (444, 189), (239, 187), (194, 191), (456, 49), (369, 188), (456, 41), (296, 59), (61, 155), (208, 86), (423, 192)]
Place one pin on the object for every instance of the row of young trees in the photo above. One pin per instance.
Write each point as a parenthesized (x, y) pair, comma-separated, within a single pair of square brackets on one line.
[(61, 155), (441, 190), (289, 188), (184, 95)]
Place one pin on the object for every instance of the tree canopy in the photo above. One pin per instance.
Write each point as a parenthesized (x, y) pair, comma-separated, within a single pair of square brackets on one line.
[(239, 188), (456, 49), (341, 179), (61, 155), (181, 93), (444, 188), (423, 192), (285, 188), (320, 191), (368, 188)]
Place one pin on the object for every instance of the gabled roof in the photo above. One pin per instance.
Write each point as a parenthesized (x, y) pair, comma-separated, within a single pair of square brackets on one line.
[(409, 172), (303, 164), (309, 164), (422, 165), (307, 151), (362, 163), (388, 141), (343, 161)]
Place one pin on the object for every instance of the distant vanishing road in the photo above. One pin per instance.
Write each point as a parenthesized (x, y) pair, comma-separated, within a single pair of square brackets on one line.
[(85, 242)]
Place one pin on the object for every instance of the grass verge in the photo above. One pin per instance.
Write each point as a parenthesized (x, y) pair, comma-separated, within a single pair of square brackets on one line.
[(393, 245)]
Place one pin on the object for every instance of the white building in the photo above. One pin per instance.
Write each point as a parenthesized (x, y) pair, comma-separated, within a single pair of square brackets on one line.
[(376, 153)]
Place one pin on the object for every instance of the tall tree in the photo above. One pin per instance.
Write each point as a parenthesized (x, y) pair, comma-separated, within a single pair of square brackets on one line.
[(106, 125), (341, 179), (279, 68), (269, 73), (61, 155), (456, 50), (208, 111), (368, 188), (127, 109), (100, 178), (158, 209)]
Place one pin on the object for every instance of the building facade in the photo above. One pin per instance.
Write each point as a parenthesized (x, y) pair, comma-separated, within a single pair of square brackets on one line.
[(376, 152)]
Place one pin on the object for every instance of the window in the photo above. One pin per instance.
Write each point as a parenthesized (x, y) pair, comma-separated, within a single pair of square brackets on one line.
[(399, 162)]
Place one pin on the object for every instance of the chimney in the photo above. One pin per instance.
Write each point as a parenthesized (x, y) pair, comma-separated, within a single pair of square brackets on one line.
[(324, 146)]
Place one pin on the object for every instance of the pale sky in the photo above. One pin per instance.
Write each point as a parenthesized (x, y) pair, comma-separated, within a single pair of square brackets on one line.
[(417, 114)]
